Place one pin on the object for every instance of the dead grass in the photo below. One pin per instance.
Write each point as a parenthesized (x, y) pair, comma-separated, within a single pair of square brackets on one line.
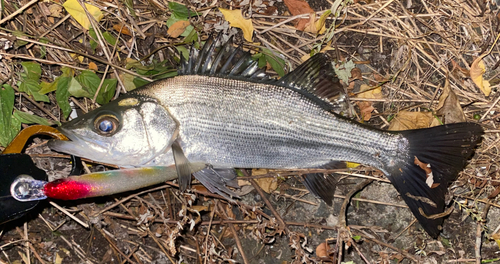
[(410, 47)]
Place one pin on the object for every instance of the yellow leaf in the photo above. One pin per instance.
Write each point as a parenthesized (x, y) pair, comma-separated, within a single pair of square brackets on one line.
[(93, 66), (351, 165), (496, 236), (317, 27), (268, 185), (76, 11), (366, 91), (477, 70), (405, 120), (177, 28), (235, 19)]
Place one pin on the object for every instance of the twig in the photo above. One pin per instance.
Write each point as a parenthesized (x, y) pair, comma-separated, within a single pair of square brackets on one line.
[(19, 11), (269, 205), (235, 235)]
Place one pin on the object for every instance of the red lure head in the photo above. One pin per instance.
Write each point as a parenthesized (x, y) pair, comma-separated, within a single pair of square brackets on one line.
[(64, 189)]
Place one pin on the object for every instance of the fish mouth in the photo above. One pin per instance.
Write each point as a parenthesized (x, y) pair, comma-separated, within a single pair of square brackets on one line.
[(74, 146)]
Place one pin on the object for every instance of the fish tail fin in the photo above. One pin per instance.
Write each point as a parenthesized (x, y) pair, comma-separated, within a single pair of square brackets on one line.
[(435, 157)]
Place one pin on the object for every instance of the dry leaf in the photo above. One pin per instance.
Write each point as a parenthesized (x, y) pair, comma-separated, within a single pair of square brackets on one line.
[(122, 29), (178, 28), (356, 74), (299, 7), (405, 120), (449, 106), (93, 66), (496, 236), (55, 10), (316, 27), (366, 91), (235, 19), (76, 11), (477, 70), (428, 172), (366, 108), (322, 250), (268, 185)]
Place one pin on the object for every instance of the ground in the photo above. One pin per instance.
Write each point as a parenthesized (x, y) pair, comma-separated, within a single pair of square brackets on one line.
[(408, 64)]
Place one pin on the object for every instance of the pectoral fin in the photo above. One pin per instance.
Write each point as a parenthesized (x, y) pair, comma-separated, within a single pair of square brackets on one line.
[(182, 166)]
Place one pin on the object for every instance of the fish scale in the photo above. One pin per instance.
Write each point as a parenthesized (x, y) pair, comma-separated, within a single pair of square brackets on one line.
[(231, 123)]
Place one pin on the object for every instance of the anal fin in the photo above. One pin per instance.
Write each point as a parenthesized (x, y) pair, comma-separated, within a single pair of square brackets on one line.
[(323, 186), (216, 180)]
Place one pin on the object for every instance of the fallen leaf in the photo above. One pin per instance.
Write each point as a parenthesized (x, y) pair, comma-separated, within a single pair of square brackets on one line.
[(122, 29), (76, 11), (428, 172), (178, 28), (322, 250), (269, 184), (406, 120), (449, 106), (356, 74), (235, 19), (55, 10), (93, 66), (366, 109), (368, 92), (299, 7), (496, 236), (477, 70), (316, 27)]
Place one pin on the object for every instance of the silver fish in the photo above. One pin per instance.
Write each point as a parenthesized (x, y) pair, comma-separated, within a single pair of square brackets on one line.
[(223, 111)]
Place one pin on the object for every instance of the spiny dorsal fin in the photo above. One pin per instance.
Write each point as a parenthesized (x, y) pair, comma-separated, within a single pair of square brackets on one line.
[(314, 78), (222, 60)]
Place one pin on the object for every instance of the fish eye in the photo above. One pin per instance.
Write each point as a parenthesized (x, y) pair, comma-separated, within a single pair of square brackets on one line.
[(106, 125)]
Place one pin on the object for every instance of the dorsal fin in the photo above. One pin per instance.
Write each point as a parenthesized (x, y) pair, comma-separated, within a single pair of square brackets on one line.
[(316, 75), (314, 78), (222, 60)]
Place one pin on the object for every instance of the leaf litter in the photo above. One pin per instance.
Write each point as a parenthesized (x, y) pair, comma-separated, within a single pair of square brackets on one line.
[(439, 62)]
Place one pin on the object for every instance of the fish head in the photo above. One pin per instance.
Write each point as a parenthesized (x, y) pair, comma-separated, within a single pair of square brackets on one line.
[(127, 132)]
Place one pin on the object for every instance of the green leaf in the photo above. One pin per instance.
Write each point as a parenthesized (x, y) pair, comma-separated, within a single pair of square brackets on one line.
[(62, 95), (32, 70), (356, 238), (19, 43), (32, 87), (183, 51), (75, 89), (67, 72), (93, 39), (107, 91), (128, 81), (90, 82), (180, 11), (130, 6), (277, 63), (131, 63), (139, 82), (109, 38), (167, 74), (27, 118), (46, 87), (7, 98), (15, 126), (192, 37)]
